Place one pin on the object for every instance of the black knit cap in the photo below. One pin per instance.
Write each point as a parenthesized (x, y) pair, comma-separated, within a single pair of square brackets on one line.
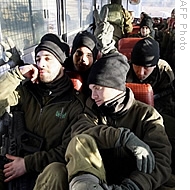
[(147, 21), (110, 71), (53, 44), (86, 39), (145, 52)]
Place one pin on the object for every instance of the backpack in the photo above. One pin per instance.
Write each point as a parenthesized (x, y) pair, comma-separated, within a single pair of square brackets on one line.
[(118, 17), (115, 17)]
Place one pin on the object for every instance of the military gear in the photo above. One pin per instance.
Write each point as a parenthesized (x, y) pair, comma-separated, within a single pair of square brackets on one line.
[(119, 18)]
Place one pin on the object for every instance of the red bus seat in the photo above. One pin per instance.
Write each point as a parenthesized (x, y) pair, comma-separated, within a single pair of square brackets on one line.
[(142, 92), (125, 46), (76, 79), (136, 29)]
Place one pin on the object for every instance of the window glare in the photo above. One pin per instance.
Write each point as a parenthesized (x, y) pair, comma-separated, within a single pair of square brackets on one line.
[(154, 8)]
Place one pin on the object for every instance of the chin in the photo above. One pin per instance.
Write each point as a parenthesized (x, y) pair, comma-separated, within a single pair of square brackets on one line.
[(82, 69), (141, 78)]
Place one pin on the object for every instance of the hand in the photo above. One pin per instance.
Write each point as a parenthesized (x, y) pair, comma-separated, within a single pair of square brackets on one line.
[(126, 184), (30, 71), (142, 152), (144, 156), (11, 53), (104, 32), (15, 168)]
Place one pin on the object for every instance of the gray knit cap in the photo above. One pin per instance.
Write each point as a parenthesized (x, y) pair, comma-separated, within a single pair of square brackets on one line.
[(110, 71), (53, 44)]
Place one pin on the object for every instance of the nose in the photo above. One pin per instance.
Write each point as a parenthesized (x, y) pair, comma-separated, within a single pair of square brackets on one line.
[(94, 95), (84, 59), (141, 71), (40, 63)]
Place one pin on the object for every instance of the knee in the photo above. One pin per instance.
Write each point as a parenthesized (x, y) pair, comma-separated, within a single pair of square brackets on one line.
[(80, 145), (56, 169), (82, 138), (54, 176)]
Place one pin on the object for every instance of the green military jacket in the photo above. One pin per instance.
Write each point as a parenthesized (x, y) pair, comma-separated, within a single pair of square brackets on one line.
[(144, 121), (51, 119)]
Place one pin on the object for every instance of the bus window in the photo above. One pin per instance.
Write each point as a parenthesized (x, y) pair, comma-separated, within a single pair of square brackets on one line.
[(26, 21), (87, 13), (72, 15), (154, 8), (79, 15)]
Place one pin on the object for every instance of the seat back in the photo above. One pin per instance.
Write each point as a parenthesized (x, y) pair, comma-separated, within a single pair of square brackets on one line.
[(136, 29), (76, 79), (142, 92), (125, 46)]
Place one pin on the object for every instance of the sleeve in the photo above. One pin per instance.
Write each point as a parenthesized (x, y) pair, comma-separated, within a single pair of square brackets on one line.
[(90, 122), (9, 96), (100, 132), (153, 133)]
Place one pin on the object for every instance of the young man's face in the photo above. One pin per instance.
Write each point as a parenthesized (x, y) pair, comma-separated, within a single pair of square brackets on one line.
[(101, 94), (48, 66), (82, 59), (142, 72), (145, 31)]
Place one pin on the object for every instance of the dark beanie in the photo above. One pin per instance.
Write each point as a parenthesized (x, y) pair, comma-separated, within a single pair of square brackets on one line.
[(110, 71), (145, 52), (53, 44), (86, 39), (147, 21)]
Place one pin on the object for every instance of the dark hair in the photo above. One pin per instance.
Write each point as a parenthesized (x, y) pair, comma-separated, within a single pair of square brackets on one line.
[(173, 11), (116, 2), (145, 15)]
